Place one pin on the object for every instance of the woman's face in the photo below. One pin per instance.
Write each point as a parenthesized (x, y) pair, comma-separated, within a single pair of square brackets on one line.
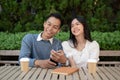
[(76, 27)]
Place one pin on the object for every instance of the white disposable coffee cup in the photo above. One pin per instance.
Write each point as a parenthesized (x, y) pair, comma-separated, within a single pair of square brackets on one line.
[(92, 66), (24, 63)]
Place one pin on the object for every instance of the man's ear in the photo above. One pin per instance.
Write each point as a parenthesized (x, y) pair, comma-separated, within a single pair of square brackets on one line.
[(44, 23)]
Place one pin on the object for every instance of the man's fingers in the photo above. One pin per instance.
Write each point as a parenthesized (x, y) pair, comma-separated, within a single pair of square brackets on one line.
[(54, 55), (60, 51), (46, 64), (51, 63)]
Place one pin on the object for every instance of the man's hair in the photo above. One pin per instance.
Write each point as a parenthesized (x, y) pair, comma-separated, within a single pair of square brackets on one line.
[(56, 15)]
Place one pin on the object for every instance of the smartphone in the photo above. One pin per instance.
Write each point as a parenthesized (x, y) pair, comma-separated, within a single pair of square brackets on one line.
[(54, 61)]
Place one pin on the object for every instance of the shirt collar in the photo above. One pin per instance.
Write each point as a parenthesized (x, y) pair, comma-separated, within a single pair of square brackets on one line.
[(39, 38)]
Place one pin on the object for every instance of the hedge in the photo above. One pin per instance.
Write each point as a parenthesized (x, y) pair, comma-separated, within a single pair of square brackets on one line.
[(106, 40)]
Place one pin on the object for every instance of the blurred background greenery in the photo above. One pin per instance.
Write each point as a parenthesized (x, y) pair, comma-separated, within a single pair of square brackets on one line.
[(25, 15), (19, 17)]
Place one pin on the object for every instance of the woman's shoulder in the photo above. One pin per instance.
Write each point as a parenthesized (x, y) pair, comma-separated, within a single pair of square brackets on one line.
[(65, 42), (93, 44)]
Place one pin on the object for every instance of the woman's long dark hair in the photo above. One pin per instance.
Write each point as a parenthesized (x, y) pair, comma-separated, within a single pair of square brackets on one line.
[(87, 35)]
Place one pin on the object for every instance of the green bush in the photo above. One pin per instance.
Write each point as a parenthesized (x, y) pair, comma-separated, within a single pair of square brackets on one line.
[(106, 40), (101, 15)]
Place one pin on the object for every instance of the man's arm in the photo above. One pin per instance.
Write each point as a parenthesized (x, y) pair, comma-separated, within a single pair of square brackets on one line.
[(26, 47), (59, 56), (44, 63)]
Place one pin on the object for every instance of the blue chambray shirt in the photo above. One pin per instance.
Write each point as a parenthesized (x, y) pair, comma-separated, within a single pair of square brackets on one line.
[(35, 48)]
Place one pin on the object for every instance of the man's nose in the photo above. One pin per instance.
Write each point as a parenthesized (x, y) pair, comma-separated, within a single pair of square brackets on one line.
[(50, 27)]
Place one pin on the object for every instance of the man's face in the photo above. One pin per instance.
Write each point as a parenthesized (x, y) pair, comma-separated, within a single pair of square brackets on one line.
[(51, 27)]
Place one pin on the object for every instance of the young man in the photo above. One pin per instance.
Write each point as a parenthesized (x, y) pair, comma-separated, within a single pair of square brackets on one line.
[(38, 47)]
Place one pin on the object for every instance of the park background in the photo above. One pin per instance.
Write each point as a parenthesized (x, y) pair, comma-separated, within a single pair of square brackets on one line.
[(20, 17)]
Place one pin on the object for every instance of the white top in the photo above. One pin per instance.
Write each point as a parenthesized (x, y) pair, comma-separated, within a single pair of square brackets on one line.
[(91, 51)]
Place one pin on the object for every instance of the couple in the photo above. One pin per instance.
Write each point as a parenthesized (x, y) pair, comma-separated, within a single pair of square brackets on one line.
[(44, 50)]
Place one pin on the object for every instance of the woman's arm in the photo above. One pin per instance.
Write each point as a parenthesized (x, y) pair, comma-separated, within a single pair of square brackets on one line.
[(72, 62)]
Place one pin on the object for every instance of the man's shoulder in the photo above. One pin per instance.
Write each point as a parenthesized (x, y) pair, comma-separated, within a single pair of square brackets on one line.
[(30, 36), (55, 39)]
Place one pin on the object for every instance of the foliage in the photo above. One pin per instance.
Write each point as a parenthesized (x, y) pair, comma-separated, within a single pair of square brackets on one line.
[(26, 15), (106, 40), (10, 41)]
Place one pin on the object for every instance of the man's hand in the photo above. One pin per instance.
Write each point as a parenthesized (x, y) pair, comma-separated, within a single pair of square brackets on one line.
[(58, 56), (44, 63)]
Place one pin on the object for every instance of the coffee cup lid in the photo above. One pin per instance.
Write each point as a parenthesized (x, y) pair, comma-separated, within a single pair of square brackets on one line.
[(92, 60), (24, 59)]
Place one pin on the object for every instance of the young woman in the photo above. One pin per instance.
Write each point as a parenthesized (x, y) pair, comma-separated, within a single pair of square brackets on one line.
[(80, 47)]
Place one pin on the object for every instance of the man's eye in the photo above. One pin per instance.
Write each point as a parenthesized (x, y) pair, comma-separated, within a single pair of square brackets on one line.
[(55, 27), (49, 24)]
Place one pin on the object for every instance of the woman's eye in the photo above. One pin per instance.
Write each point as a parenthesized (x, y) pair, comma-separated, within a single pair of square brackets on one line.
[(78, 24)]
